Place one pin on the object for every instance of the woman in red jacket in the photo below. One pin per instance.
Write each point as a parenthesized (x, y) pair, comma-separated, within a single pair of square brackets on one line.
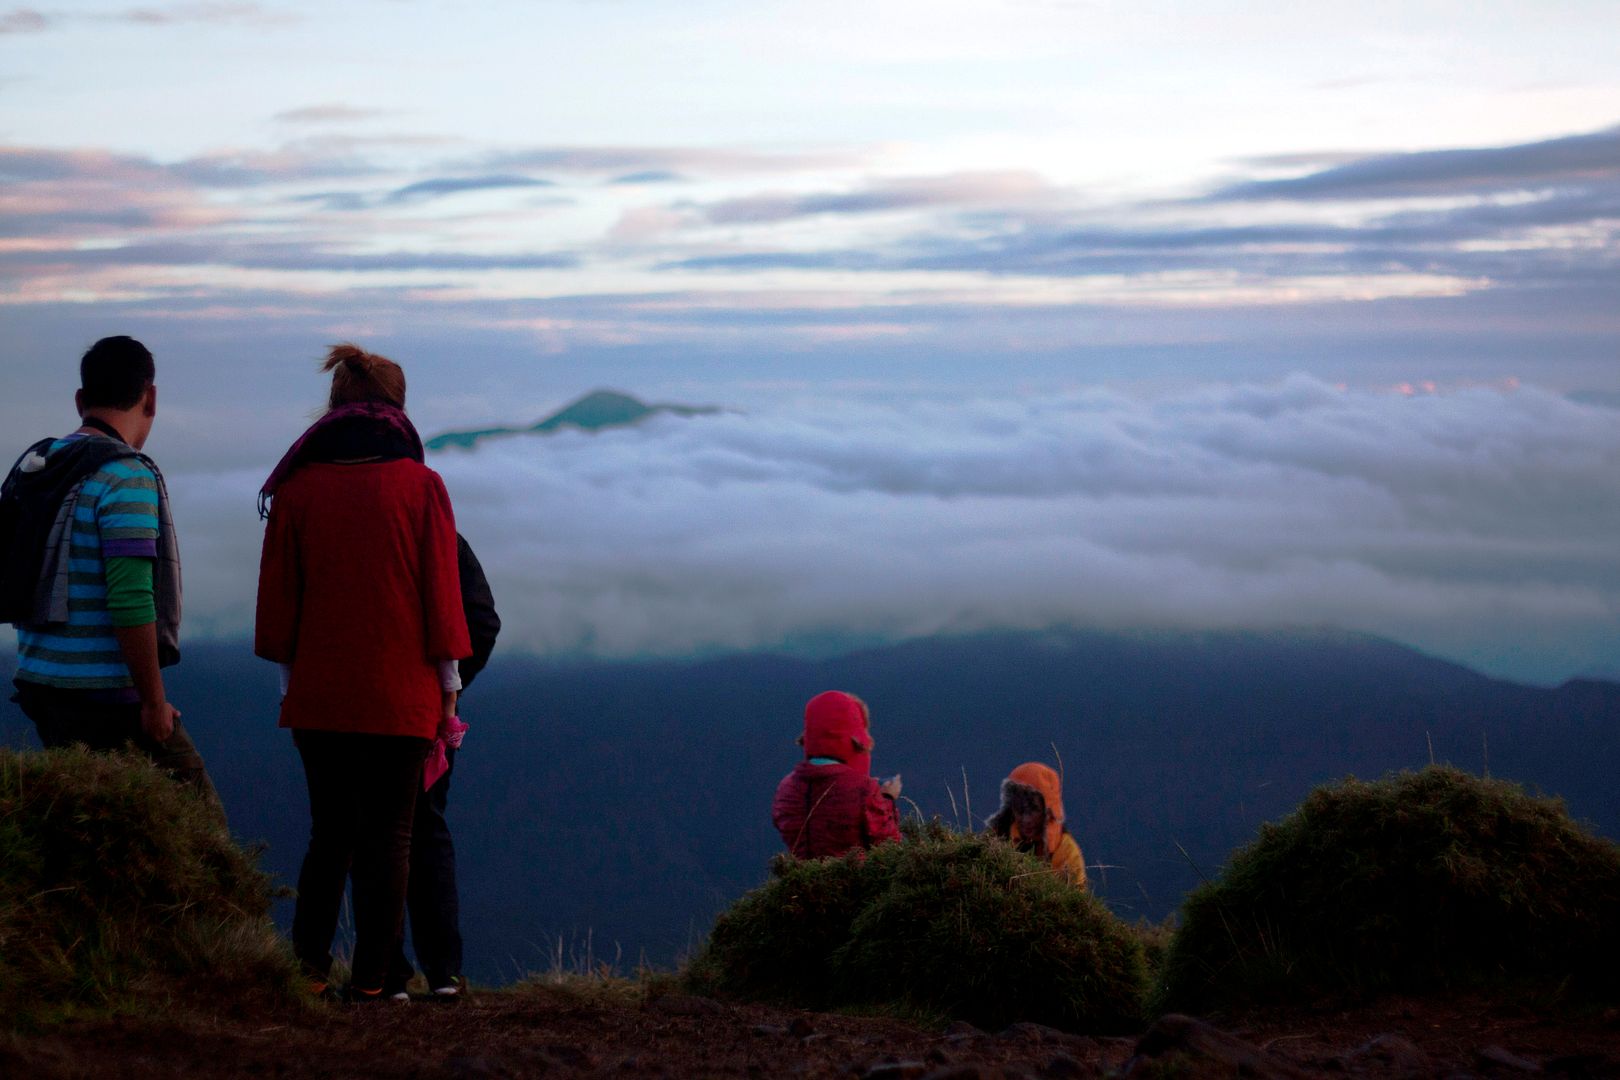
[(360, 602)]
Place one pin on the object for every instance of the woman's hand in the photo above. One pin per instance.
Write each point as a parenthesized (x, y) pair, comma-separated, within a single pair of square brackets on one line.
[(447, 709)]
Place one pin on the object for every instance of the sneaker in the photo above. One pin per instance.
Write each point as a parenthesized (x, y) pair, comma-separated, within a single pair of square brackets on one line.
[(318, 984), (321, 990), (450, 991), (353, 995)]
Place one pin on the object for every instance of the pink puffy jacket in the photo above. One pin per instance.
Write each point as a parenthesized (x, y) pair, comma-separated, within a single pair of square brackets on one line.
[(829, 809)]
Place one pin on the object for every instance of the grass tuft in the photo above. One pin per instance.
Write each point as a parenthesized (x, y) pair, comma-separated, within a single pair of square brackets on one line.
[(119, 887), (944, 925), (1422, 881)]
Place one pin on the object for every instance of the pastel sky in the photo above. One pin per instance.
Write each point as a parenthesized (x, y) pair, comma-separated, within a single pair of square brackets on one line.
[(795, 208)]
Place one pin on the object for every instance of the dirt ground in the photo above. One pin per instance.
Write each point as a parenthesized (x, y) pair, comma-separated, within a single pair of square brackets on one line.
[(565, 1033)]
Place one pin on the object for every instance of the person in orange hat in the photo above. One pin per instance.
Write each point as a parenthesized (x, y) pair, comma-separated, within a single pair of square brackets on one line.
[(1031, 819), (830, 804)]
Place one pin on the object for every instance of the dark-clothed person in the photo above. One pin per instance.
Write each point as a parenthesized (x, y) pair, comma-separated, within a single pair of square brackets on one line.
[(360, 602), (90, 573), (432, 900)]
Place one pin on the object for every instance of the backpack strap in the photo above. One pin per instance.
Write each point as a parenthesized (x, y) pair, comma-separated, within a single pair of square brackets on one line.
[(11, 476)]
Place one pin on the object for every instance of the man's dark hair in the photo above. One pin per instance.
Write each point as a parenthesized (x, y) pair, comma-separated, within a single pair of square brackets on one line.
[(114, 373)]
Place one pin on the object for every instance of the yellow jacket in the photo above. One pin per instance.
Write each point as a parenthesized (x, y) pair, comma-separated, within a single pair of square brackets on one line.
[(1063, 852), (1067, 861)]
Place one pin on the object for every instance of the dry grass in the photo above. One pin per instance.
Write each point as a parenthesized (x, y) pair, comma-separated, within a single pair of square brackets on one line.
[(944, 925), (120, 888), (1427, 880)]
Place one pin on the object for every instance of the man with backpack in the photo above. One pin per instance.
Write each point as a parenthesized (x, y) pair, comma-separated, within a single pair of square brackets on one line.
[(90, 573)]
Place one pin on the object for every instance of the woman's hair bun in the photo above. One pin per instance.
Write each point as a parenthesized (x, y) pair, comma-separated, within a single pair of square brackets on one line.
[(361, 376), (350, 356)]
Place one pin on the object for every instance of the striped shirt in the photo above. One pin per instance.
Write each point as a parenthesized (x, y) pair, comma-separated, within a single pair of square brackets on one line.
[(116, 517)]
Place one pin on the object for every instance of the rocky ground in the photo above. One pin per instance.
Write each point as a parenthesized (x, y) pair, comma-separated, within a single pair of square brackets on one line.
[(574, 1032)]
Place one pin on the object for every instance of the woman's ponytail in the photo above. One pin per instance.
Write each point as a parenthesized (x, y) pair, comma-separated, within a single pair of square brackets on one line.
[(361, 376)]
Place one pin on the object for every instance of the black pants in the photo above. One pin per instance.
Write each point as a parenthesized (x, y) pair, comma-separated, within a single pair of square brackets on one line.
[(65, 717), (362, 795), (431, 899)]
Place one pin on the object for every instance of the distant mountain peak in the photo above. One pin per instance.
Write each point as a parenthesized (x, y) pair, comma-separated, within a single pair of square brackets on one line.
[(596, 411)]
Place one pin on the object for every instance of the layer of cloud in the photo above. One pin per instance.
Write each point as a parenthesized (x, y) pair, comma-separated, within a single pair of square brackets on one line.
[(91, 224), (225, 169), (697, 160), (334, 113), (23, 21), (29, 20), (1531, 215), (1559, 231), (1478, 522), (439, 187), (649, 176), (275, 255), (1550, 162), (906, 193), (173, 14)]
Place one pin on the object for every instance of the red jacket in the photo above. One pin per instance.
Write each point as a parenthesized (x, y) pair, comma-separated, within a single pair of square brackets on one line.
[(359, 592), (823, 810)]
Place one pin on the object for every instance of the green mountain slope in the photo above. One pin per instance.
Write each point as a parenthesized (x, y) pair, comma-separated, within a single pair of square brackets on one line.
[(596, 411)]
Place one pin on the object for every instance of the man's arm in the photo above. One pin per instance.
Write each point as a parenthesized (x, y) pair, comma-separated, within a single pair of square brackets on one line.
[(127, 519), (131, 604), (139, 645)]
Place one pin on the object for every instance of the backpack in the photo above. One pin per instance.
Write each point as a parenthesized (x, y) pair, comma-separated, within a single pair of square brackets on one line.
[(18, 568), (29, 501)]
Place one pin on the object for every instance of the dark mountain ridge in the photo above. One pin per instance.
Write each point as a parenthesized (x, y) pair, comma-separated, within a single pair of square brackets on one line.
[(630, 801)]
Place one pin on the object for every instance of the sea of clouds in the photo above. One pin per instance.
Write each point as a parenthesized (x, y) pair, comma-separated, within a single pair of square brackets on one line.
[(1479, 523)]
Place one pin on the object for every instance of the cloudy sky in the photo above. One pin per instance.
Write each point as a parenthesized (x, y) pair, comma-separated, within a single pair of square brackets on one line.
[(1031, 310)]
